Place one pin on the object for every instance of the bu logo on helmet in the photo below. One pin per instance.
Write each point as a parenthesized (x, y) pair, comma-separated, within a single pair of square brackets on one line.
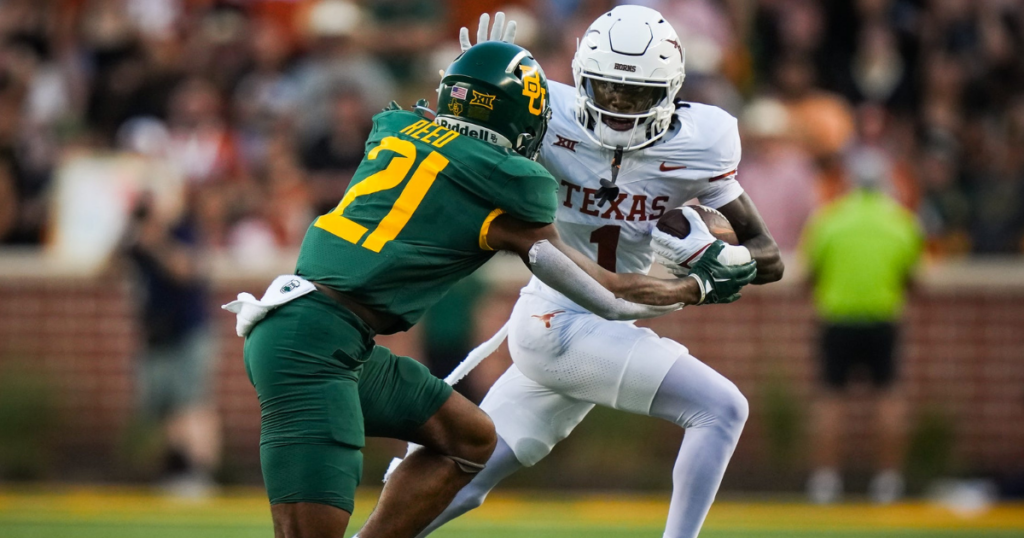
[(455, 107), (533, 90)]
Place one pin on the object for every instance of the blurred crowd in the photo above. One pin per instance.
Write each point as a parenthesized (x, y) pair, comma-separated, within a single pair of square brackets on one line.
[(262, 106)]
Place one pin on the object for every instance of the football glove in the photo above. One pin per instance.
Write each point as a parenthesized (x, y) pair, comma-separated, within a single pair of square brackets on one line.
[(679, 255), (508, 36), (720, 283)]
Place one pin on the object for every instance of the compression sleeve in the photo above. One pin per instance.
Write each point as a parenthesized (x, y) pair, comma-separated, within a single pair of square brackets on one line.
[(557, 270)]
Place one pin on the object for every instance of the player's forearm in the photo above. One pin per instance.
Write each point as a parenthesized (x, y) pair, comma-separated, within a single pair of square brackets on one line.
[(753, 233), (636, 288), (766, 253), (576, 276), (557, 270), (644, 289)]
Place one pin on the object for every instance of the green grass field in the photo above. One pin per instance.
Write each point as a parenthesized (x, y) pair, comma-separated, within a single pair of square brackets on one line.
[(243, 513)]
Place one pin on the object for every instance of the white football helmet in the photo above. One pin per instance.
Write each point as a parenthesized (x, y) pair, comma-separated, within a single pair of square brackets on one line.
[(628, 68)]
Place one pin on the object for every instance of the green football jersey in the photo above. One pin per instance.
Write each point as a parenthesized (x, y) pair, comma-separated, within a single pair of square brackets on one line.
[(414, 220)]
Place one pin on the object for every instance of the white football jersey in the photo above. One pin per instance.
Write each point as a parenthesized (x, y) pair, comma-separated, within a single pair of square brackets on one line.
[(697, 158)]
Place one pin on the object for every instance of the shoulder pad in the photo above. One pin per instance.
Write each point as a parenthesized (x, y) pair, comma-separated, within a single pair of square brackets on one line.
[(708, 138)]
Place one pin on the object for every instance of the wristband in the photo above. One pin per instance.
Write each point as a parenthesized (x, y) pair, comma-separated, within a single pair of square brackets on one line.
[(700, 286)]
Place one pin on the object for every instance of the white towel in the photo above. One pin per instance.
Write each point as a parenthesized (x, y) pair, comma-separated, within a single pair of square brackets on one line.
[(249, 311)]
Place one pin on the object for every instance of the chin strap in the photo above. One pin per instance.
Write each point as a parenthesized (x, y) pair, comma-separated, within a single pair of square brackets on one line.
[(608, 190)]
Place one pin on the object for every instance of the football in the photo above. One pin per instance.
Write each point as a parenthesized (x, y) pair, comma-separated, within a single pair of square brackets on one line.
[(674, 222)]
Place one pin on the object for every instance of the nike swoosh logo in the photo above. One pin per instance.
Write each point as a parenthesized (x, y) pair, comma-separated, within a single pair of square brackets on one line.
[(666, 168), (721, 279)]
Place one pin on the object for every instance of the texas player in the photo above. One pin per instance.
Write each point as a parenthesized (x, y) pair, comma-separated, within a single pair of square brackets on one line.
[(624, 150)]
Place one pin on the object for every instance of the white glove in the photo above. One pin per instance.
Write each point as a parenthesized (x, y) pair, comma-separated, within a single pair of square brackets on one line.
[(508, 36), (679, 255)]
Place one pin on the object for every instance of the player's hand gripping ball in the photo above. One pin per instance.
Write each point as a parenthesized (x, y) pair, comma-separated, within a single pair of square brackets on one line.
[(675, 222), (720, 283), (682, 235)]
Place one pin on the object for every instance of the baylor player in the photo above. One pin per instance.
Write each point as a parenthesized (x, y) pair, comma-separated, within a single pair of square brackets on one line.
[(429, 204)]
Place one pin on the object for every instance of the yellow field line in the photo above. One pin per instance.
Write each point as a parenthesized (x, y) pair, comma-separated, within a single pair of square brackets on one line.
[(249, 506)]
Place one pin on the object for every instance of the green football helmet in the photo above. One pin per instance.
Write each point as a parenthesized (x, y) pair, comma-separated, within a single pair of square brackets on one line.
[(497, 92)]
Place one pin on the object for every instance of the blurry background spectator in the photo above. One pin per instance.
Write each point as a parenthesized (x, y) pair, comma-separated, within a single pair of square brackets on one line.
[(250, 90), (782, 175), (861, 252), (337, 56), (332, 157), (176, 365)]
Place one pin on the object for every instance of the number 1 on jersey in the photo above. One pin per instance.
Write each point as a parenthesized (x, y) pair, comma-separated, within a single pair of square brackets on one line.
[(607, 239), (392, 176)]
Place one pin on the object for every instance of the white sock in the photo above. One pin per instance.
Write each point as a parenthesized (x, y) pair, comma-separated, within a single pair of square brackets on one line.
[(713, 411)]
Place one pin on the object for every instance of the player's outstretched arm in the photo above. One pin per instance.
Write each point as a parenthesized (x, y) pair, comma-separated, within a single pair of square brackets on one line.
[(603, 292), (753, 234), (570, 273)]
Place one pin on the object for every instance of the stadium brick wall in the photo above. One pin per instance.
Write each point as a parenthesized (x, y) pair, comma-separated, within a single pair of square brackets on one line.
[(962, 359)]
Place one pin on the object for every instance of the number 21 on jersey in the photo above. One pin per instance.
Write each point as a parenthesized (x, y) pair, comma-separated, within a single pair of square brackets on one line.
[(391, 225)]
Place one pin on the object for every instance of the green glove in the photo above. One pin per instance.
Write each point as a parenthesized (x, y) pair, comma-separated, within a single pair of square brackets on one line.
[(393, 105), (720, 284)]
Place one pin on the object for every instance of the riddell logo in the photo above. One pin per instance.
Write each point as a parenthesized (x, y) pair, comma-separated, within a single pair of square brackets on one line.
[(564, 142), (625, 67), (463, 129), (546, 318)]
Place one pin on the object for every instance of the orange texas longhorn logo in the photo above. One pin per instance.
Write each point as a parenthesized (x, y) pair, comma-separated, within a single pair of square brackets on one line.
[(678, 48), (546, 318)]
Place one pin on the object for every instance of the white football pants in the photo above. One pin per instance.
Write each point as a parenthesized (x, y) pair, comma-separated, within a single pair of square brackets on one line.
[(566, 361)]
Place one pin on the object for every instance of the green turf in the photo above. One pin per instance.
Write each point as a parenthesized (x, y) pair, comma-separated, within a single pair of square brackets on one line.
[(511, 530), (125, 513)]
